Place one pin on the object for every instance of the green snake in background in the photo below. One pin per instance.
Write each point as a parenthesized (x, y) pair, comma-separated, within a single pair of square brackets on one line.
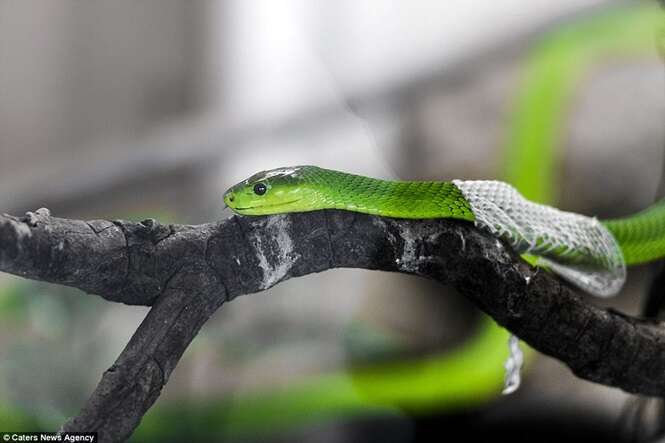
[(589, 253)]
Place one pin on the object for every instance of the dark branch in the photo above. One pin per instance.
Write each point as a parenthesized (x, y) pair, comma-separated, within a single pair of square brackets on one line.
[(129, 387), (187, 272)]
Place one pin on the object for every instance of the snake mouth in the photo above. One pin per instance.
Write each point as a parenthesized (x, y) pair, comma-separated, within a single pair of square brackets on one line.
[(276, 205)]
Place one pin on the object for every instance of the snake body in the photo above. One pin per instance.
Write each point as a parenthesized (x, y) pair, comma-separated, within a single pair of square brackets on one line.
[(591, 254)]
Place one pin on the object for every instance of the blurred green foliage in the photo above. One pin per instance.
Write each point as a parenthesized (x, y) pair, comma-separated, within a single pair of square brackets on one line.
[(552, 72)]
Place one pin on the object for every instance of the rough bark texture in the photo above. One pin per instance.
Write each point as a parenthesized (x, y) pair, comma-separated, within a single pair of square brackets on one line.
[(186, 272)]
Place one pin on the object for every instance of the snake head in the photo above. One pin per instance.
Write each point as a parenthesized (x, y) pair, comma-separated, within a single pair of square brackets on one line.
[(272, 192)]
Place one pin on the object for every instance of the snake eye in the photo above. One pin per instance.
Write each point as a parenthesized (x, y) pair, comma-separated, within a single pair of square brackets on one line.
[(260, 189)]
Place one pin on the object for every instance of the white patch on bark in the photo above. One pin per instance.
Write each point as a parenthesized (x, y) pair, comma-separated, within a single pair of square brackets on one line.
[(409, 259), (409, 239), (22, 230), (275, 228)]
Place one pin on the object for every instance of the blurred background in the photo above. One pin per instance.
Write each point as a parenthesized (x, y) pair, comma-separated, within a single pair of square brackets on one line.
[(135, 109)]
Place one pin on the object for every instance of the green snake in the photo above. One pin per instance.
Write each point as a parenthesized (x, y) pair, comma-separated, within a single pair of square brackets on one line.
[(589, 253)]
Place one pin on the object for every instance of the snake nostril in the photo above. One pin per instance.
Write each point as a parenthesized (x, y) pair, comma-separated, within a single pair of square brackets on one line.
[(231, 197)]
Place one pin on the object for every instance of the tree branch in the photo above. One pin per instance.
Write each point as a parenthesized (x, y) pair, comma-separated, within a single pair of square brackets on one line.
[(187, 272)]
